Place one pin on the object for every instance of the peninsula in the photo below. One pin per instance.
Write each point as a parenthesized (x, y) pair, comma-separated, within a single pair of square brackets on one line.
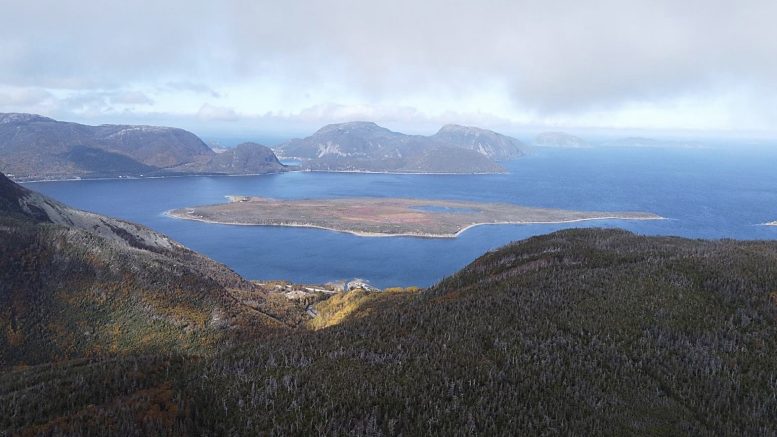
[(387, 216)]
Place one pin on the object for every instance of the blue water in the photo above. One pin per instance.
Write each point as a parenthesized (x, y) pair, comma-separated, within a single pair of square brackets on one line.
[(705, 193)]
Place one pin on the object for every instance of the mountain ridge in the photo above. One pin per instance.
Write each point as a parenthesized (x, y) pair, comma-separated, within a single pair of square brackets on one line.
[(34, 147), (366, 146)]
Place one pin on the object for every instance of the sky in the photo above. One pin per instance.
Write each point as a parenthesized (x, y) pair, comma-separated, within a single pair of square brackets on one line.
[(229, 66)]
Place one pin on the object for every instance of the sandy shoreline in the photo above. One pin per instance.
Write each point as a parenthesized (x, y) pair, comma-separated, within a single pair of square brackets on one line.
[(171, 214)]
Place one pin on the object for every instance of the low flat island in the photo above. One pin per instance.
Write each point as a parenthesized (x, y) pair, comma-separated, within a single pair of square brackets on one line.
[(386, 216)]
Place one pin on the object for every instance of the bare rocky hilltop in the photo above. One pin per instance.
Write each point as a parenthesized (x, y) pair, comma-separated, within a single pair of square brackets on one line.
[(34, 147), (367, 147)]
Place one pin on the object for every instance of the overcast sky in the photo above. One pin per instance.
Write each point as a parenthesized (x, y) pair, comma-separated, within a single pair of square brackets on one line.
[(222, 66)]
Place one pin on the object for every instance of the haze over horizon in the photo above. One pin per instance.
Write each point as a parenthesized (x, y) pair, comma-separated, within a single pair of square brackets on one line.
[(261, 66)]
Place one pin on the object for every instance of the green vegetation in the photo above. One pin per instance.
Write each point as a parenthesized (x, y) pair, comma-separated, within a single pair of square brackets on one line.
[(78, 285), (576, 332), (65, 293)]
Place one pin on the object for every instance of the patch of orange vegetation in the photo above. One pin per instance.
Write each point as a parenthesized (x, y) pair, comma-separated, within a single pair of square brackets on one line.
[(15, 337), (448, 297), (155, 405)]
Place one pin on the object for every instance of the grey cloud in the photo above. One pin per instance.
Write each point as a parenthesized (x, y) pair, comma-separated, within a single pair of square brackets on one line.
[(553, 56), (24, 97)]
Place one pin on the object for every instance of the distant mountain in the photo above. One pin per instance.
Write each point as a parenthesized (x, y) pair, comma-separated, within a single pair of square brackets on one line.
[(488, 143), (560, 139), (365, 146), (245, 158), (77, 284), (634, 142), (36, 147), (652, 143)]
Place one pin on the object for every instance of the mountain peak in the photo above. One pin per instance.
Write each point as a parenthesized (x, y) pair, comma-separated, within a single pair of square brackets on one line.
[(452, 127), (250, 145), (486, 142), (18, 202), (18, 117), (349, 126), (464, 130), (10, 193)]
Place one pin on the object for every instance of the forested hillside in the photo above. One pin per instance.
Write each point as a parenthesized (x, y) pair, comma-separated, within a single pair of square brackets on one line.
[(75, 284), (576, 332)]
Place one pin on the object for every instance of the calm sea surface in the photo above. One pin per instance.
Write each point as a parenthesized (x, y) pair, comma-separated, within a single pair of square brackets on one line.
[(705, 193)]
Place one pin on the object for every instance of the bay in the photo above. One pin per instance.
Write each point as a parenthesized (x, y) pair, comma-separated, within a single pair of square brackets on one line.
[(719, 192)]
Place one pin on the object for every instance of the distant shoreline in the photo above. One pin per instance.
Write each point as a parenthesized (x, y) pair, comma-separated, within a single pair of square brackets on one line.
[(136, 178), (404, 172), (171, 214), (133, 178)]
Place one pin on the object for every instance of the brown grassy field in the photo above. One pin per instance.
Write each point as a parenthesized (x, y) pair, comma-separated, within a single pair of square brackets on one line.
[(386, 216)]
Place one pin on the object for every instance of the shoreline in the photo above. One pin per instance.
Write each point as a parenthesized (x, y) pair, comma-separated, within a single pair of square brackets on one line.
[(137, 178), (133, 178), (169, 213), (402, 172), (302, 160)]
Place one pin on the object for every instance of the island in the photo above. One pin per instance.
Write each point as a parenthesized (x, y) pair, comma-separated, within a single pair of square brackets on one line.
[(387, 216)]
